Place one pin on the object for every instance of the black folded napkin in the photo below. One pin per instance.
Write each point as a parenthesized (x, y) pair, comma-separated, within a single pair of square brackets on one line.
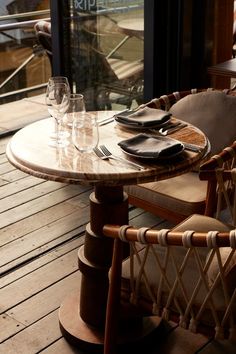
[(145, 117), (146, 146)]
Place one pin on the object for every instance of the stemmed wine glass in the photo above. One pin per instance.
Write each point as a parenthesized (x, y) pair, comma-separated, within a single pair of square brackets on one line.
[(52, 81), (57, 100)]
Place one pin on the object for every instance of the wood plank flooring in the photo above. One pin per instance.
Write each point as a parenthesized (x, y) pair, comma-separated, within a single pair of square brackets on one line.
[(42, 226)]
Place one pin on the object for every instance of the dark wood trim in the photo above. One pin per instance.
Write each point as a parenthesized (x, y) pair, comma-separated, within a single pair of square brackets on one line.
[(162, 47), (223, 39), (60, 20)]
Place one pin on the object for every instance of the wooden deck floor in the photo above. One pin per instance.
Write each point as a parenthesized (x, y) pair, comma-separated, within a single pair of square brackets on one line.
[(41, 227)]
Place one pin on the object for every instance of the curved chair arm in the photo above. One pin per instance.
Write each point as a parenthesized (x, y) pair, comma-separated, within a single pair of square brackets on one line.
[(127, 233)]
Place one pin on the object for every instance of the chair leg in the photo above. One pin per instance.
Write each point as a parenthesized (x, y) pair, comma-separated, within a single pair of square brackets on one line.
[(211, 199), (113, 302)]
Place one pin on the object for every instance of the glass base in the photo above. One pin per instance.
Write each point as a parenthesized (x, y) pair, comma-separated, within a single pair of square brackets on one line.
[(60, 135), (57, 143)]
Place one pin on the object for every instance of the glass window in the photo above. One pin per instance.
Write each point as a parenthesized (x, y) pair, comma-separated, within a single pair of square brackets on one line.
[(106, 52), (24, 66)]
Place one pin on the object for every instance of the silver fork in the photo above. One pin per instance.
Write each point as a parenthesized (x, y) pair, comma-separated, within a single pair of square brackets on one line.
[(109, 155), (164, 131), (170, 125), (100, 154)]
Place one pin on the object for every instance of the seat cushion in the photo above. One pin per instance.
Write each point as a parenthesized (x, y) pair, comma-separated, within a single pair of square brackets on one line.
[(43, 26), (211, 111), (184, 194), (205, 224), (126, 69), (202, 223), (190, 273)]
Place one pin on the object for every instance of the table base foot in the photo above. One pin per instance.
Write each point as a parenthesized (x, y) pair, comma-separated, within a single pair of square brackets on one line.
[(75, 330), (91, 339)]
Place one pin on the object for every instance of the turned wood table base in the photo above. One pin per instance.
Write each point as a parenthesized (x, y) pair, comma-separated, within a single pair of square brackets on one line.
[(91, 339), (81, 320)]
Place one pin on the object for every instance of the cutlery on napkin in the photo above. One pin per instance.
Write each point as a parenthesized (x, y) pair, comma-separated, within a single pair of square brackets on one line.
[(145, 117)]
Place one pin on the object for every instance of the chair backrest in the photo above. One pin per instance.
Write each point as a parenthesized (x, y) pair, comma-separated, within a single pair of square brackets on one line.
[(210, 110), (185, 276)]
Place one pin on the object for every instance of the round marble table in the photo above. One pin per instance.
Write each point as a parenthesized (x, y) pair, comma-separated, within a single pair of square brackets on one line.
[(82, 316), (132, 27)]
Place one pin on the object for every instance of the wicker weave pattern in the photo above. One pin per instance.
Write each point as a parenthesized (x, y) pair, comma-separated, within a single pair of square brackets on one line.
[(221, 174), (191, 307), (171, 294)]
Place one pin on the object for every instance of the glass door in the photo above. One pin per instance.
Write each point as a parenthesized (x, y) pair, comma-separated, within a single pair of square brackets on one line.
[(102, 50)]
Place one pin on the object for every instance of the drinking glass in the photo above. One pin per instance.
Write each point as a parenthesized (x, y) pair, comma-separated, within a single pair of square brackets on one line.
[(52, 81), (85, 132), (57, 100), (75, 109)]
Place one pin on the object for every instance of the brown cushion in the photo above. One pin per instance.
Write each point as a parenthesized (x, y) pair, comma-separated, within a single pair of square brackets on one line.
[(205, 224), (184, 194), (213, 112), (202, 223)]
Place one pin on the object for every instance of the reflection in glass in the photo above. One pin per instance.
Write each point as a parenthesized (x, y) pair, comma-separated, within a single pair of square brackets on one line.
[(105, 52)]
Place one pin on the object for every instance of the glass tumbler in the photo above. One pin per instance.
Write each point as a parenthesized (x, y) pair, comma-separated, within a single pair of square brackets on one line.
[(58, 79), (76, 106), (85, 135)]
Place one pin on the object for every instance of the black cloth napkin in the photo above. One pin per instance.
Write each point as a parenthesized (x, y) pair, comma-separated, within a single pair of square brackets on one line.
[(146, 146), (145, 117)]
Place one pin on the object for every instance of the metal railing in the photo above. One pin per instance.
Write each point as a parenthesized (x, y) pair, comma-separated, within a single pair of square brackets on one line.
[(20, 25), (24, 15)]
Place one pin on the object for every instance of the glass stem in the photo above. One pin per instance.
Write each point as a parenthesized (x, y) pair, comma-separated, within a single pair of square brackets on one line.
[(57, 130)]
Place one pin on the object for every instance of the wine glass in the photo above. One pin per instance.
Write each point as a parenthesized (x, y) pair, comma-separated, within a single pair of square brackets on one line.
[(52, 81), (75, 109), (57, 100)]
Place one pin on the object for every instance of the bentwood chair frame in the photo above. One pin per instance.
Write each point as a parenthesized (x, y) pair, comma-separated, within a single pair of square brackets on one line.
[(219, 171), (149, 196), (171, 298), (190, 316)]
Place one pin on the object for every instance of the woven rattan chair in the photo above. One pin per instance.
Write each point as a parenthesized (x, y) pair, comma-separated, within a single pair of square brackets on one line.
[(43, 34), (176, 198), (186, 274)]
